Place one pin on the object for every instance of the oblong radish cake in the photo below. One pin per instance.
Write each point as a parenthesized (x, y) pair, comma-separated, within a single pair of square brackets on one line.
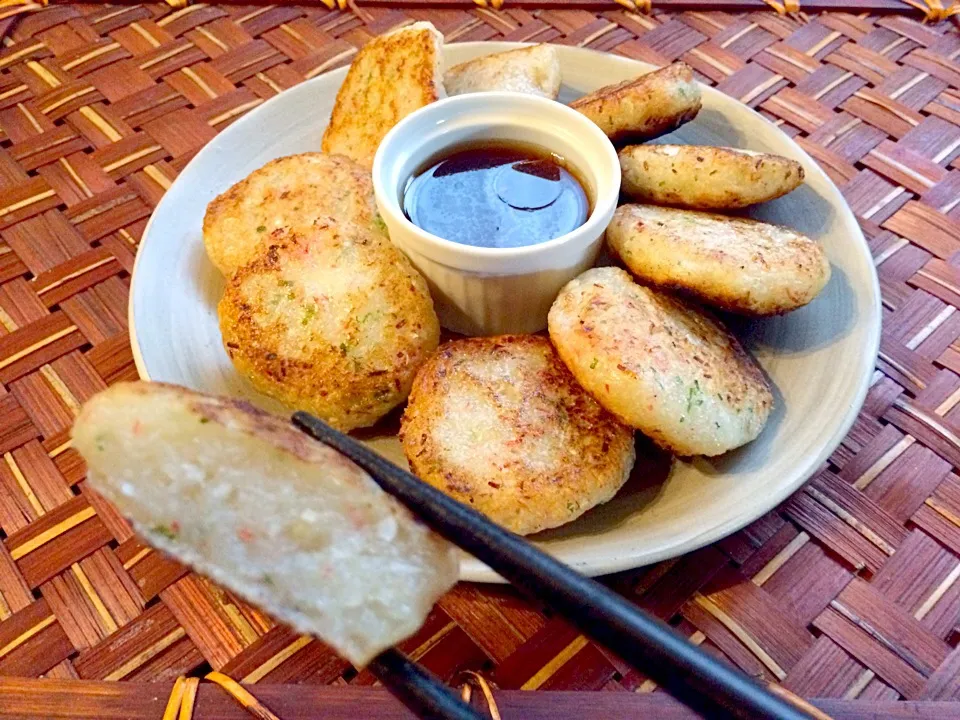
[(704, 177), (391, 76), (662, 366), (741, 265)]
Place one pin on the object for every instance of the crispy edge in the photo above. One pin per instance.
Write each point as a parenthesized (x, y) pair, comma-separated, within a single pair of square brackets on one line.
[(230, 413), (648, 92)]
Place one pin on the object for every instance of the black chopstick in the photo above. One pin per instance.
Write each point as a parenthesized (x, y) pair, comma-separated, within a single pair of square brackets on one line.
[(418, 689), (650, 645)]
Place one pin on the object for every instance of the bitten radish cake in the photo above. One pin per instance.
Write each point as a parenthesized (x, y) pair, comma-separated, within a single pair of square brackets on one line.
[(288, 192), (282, 520), (659, 364), (333, 320), (737, 264), (501, 425)]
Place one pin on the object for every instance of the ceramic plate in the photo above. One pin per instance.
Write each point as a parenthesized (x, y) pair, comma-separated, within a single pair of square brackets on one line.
[(819, 358)]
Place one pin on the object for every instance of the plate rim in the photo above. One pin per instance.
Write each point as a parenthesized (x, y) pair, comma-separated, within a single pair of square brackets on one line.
[(472, 570)]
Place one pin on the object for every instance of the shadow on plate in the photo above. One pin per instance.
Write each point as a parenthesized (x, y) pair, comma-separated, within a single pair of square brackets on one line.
[(803, 210), (710, 127), (208, 282), (387, 426), (831, 316), (753, 455)]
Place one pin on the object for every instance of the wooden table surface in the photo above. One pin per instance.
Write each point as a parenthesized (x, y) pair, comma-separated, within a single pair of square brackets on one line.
[(849, 592)]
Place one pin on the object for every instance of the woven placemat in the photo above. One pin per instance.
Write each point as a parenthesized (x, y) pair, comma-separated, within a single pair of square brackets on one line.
[(851, 589)]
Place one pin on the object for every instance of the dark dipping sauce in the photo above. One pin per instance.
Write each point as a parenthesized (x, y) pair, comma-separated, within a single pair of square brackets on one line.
[(496, 195)]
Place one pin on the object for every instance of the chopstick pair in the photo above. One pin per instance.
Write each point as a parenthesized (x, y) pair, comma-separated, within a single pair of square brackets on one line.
[(685, 671)]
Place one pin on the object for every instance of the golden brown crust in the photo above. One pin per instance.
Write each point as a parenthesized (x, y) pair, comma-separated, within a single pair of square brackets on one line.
[(737, 264), (662, 366), (645, 107), (391, 76), (333, 320), (706, 178), (500, 424), (290, 191), (230, 413)]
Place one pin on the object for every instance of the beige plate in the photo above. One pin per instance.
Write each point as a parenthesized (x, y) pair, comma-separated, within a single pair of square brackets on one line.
[(820, 358)]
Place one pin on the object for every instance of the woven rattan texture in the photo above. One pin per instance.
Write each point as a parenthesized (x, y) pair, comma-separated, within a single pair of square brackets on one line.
[(850, 589)]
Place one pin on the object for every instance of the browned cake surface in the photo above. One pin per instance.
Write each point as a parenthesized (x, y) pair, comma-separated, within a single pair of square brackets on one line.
[(850, 589), (331, 318), (501, 424)]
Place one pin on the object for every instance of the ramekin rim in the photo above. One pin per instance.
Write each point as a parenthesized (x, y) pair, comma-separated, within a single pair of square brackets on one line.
[(604, 204)]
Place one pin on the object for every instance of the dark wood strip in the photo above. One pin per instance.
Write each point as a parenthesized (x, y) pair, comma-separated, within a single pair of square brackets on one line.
[(679, 5), (62, 699)]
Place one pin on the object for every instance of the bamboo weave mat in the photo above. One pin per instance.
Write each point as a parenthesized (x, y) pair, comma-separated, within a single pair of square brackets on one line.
[(851, 589)]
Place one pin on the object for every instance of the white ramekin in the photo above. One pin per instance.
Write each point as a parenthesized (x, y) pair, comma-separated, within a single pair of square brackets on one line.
[(489, 291)]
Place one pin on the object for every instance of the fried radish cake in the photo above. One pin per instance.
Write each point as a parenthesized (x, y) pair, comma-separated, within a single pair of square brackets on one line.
[(661, 365), (500, 424)]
